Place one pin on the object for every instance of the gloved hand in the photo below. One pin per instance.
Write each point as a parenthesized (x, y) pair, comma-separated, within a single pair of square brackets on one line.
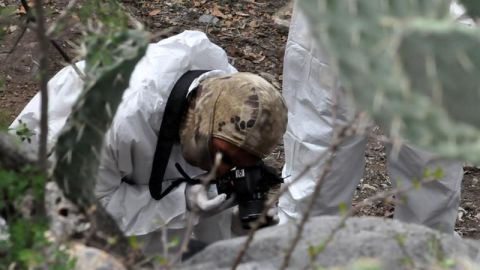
[(205, 204)]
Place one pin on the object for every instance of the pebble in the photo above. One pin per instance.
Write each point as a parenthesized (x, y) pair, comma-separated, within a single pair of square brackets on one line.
[(205, 18), (474, 180), (369, 187)]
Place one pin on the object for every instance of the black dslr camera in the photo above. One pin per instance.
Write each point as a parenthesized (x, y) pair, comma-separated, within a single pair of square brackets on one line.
[(250, 186)]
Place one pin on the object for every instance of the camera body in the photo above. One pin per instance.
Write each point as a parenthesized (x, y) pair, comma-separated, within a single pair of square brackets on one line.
[(250, 186)]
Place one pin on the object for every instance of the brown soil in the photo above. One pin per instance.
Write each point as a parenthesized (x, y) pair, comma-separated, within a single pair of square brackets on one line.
[(247, 31)]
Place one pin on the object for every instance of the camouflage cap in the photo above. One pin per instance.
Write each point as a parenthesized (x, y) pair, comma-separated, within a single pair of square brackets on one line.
[(242, 108)]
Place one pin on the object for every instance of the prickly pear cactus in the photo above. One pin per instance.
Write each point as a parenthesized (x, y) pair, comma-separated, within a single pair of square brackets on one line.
[(409, 65), (110, 61), (473, 8)]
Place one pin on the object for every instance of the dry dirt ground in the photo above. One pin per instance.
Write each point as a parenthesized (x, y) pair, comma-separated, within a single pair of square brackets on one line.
[(250, 31)]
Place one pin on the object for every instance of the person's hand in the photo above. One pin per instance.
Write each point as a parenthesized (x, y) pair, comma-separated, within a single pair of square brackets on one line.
[(198, 200)]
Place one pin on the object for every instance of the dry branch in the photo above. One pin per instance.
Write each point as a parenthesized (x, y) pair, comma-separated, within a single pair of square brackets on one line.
[(43, 40)]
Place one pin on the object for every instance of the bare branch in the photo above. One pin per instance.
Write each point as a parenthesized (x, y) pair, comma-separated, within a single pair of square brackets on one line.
[(328, 167), (61, 17), (15, 44), (272, 201), (42, 38), (338, 137), (194, 214)]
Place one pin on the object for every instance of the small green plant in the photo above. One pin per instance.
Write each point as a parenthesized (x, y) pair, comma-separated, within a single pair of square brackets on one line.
[(407, 260), (26, 245), (23, 132)]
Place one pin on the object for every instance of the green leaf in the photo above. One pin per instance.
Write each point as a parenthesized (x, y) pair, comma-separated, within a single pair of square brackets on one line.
[(311, 251), (133, 242), (30, 258), (175, 242), (366, 264), (417, 184), (448, 263), (162, 260), (427, 173), (401, 239), (438, 174), (343, 209)]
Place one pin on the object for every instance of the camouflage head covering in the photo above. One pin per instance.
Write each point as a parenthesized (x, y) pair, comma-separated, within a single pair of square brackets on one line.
[(243, 109)]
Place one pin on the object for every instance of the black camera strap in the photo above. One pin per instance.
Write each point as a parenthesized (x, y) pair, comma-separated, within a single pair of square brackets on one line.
[(168, 134)]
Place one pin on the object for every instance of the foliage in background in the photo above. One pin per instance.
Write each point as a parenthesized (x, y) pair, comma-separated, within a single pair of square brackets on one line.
[(409, 65), (25, 245), (111, 50), (5, 17), (4, 120), (473, 8)]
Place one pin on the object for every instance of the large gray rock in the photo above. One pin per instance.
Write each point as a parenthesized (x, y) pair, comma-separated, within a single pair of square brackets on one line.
[(396, 245), (65, 218), (89, 258)]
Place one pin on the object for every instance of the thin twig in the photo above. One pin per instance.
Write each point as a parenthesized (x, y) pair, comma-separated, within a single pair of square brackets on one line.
[(17, 41), (61, 51), (42, 38), (332, 150), (194, 215), (272, 201), (71, 5), (318, 187), (32, 19), (165, 241), (61, 17)]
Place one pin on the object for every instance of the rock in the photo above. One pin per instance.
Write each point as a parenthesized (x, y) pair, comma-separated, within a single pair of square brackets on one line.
[(89, 258), (65, 218), (282, 17), (367, 186), (474, 180), (362, 237), (205, 18)]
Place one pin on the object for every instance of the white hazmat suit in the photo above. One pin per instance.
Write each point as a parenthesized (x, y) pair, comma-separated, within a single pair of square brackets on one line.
[(130, 142), (308, 85)]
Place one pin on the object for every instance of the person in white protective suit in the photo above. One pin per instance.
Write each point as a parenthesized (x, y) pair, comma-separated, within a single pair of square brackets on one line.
[(239, 115), (308, 89)]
